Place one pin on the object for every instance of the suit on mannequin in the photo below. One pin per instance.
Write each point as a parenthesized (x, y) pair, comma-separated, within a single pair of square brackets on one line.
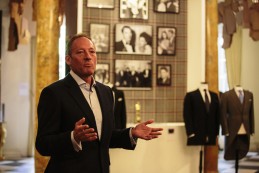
[(237, 121), (202, 126), (119, 109)]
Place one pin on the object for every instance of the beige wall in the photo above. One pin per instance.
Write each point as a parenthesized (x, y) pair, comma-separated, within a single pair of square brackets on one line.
[(16, 89), (196, 44), (249, 78)]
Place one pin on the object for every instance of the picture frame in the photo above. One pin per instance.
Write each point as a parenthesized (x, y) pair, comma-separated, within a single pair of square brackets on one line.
[(133, 74), (102, 73), (133, 9), (167, 6), (163, 72), (100, 35), (133, 39), (106, 4), (1, 13), (166, 40)]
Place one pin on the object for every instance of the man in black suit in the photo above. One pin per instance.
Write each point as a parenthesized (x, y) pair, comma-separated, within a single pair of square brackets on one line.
[(127, 44), (75, 117), (147, 76), (164, 78)]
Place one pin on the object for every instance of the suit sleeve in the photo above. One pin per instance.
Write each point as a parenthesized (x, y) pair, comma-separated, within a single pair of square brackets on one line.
[(123, 112), (121, 139), (217, 118), (187, 115), (251, 114), (49, 140), (223, 114)]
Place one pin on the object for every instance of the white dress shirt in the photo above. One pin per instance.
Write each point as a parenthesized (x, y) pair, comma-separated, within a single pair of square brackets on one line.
[(202, 88), (90, 95)]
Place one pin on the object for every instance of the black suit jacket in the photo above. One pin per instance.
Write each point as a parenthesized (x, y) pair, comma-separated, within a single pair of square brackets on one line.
[(61, 105), (119, 46), (204, 125)]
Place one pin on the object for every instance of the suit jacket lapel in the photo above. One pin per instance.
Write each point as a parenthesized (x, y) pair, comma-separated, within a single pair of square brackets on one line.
[(246, 99), (236, 100), (102, 105), (79, 98)]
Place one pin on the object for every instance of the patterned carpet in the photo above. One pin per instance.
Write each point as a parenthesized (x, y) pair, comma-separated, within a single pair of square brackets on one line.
[(249, 164)]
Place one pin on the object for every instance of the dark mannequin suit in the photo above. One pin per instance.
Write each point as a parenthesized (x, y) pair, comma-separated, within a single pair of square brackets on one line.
[(119, 109), (204, 125), (233, 114), (61, 105)]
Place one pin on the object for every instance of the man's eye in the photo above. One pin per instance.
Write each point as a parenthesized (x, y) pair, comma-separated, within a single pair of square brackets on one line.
[(80, 52), (92, 51)]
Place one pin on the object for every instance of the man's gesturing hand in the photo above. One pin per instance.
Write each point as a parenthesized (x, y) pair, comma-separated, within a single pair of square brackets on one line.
[(144, 132), (83, 132)]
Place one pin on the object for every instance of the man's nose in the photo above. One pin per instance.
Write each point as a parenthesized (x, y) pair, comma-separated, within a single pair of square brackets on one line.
[(87, 55)]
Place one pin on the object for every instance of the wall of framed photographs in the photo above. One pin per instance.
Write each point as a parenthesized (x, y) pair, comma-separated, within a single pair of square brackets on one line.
[(146, 41)]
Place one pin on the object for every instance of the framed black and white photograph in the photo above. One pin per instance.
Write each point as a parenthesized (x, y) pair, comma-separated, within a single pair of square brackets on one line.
[(167, 6), (163, 72), (100, 4), (100, 36), (134, 9), (133, 39), (0, 33), (133, 74), (102, 72), (166, 40)]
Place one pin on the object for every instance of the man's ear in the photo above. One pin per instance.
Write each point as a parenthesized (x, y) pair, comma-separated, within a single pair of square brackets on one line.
[(68, 59)]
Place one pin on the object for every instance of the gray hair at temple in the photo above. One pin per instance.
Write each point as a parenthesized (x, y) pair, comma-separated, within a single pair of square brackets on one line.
[(72, 39)]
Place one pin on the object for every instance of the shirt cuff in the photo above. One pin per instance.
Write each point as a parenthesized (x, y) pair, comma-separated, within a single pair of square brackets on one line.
[(77, 146), (132, 139)]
